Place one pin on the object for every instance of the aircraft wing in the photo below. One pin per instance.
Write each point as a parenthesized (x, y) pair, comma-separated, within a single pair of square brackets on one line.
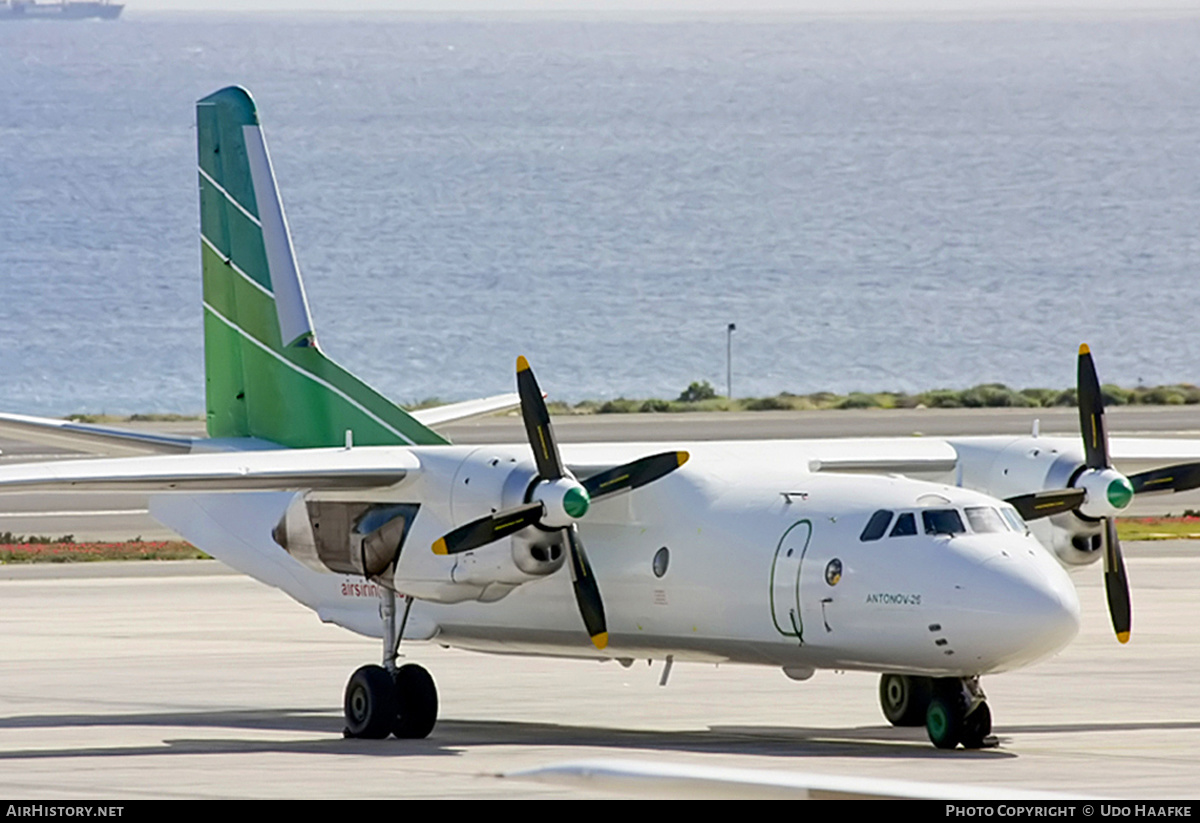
[(1153, 450), (90, 438), (467, 409), (926, 457), (276, 470), (917, 456)]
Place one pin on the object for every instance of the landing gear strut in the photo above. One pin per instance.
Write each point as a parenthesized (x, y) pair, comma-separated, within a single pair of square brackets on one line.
[(958, 713), (383, 700), (904, 698)]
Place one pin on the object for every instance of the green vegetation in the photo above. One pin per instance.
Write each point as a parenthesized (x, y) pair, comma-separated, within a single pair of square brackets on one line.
[(151, 417), (44, 549), (426, 403), (8, 538), (700, 396), (697, 392), (1159, 528)]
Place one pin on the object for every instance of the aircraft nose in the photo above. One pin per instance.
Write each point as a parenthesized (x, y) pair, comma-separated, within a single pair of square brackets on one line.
[(1018, 607)]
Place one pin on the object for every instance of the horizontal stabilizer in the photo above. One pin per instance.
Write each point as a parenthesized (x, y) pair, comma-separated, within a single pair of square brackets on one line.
[(276, 470), (90, 438), (452, 412)]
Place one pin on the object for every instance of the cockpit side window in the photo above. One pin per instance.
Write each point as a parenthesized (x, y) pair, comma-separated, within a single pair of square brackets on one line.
[(985, 520), (1015, 520), (906, 526), (942, 521), (876, 526)]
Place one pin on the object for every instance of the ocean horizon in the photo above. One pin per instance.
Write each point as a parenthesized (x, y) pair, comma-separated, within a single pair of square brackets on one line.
[(877, 204)]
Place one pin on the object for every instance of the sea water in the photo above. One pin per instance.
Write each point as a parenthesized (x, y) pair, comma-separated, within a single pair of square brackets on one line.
[(876, 204)]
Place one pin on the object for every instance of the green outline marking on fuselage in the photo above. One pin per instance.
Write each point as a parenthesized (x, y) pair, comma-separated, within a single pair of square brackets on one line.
[(796, 619)]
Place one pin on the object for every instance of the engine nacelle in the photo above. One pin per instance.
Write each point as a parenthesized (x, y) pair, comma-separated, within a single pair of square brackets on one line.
[(491, 480), (1074, 540), (1008, 468), (506, 564), (345, 537)]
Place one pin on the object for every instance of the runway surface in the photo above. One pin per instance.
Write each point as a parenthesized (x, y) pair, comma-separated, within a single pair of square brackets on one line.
[(182, 680)]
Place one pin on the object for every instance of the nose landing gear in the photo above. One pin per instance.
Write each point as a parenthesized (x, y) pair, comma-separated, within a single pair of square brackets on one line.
[(958, 713), (905, 698)]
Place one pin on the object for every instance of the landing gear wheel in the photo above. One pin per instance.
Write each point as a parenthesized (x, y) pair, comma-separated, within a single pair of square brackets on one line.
[(904, 699), (977, 726), (416, 701), (944, 721), (370, 703)]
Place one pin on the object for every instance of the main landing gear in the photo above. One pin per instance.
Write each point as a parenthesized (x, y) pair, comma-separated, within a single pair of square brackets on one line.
[(953, 710), (905, 698), (387, 699)]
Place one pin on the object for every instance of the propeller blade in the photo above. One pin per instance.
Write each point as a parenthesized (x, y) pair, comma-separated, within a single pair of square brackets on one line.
[(1178, 478), (488, 529), (1091, 413), (537, 423), (1116, 583), (635, 474), (587, 593), (1047, 503)]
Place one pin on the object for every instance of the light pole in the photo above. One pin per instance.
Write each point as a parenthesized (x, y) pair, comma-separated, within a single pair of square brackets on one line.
[(729, 330)]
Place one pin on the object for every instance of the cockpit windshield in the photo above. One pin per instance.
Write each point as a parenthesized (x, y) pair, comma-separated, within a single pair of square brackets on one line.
[(942, 521), (1015, 520), (906, 526), (985, 519), (876, 526)]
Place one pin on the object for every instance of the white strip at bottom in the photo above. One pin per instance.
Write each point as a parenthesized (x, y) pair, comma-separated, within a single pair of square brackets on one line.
[(92, 513)]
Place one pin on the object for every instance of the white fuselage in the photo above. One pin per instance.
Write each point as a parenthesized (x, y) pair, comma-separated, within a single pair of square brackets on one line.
[(760, 560)]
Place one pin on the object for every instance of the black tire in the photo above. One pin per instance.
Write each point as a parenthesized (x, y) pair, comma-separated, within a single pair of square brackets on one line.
[(417, 702), (905, 699), (370, 703), (976, 727), (944, 721)]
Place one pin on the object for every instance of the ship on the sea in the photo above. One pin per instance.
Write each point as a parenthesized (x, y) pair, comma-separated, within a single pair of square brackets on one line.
[(65, 10)]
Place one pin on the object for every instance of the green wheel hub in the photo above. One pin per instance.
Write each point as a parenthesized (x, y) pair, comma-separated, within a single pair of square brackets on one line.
[(944, 721), (937, 721)]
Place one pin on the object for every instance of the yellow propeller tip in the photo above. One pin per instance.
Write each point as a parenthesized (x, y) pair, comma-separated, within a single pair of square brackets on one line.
[(522, 364), (600, 640), (1123, 637), (682, 457), (440, 546), (1083, 349)]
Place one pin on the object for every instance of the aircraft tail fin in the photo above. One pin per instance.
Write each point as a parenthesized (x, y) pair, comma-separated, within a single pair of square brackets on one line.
[(265, 374)]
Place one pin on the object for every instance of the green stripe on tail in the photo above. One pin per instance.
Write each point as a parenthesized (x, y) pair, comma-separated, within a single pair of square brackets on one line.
[(265, 375)]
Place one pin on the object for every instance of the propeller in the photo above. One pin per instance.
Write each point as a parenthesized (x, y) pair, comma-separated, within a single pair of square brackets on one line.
[(1179, 478), (558, 500), (1108, 491), (1047, 503), (1099, 492)]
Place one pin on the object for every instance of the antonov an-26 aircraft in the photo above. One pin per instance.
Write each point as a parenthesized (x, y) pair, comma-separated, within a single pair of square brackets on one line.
[(931, 561)]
